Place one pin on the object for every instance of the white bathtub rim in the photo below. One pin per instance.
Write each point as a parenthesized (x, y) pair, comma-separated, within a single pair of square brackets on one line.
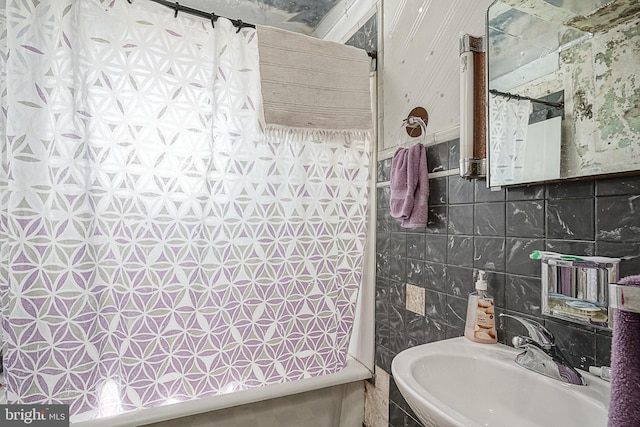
[(352, 372)]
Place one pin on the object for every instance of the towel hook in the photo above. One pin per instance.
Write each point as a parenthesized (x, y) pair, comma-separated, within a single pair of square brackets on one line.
[(416, 122), (176, 8)]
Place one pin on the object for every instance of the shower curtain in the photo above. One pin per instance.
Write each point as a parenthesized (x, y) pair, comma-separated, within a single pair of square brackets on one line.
[(158, 242), (509, 122)]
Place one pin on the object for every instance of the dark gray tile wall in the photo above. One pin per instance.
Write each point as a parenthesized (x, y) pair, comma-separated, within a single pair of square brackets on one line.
[(471, 228)]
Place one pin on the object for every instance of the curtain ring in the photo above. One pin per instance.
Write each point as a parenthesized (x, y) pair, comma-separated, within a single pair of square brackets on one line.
[(176, 9), (214, 18), (240, 25)]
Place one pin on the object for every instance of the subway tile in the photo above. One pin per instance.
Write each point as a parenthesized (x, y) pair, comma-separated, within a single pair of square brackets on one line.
[(489, 219), (397, 296), (396, 416), (618, 186), (525, 218), (437, 220), (456, 311), (584, 218), (484, 194), (383, 221), (399, 418), (603, 348), (383, 358), (395, 226), (570, 190), (398, 341), (382, 333), (382, 254), (489, 253), (414, 230), (434, 330), (578, 345), (436, 248), (438, 191), (460, 190), (416, 272), (459, 281), (397, 330), (529, 192), (435, 305), (454, 332), (384, 170), (383, 195), (571, 247), (397, 256), (518, 252), (435, 274), (415, 328), (438, 157), (382, 300), (523, 294), (460, 251), (460, 219), (629, 252), (395, 395), (416, 246), (454, 153), (512, 327), (570, 219), (617, 218), (412, 422), (496, 286)]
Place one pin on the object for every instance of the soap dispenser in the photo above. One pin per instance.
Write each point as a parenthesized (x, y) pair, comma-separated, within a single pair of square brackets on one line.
[(481, 323)]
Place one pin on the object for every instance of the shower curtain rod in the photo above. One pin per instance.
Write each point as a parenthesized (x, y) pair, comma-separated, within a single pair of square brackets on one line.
[(558, 105), (177, 7)]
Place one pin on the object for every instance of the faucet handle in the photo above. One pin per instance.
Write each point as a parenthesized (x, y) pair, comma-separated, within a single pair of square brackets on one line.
[(537, 332)]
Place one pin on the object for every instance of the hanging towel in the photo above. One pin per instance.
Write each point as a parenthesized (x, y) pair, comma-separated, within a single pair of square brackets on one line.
[(401, 202), (624, 406), (409, 186), (312, 83)]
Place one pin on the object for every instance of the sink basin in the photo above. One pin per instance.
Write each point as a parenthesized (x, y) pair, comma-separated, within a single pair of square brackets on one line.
[(460, 383)]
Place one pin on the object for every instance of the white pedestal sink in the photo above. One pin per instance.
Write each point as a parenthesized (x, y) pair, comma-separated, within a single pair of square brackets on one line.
[(460, 383)]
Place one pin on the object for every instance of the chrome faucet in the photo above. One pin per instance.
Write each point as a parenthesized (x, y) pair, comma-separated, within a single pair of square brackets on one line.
[(541, 354)]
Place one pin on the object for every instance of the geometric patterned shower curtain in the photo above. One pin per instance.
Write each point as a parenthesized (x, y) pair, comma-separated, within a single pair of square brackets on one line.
[(509, 123), (157, 244)]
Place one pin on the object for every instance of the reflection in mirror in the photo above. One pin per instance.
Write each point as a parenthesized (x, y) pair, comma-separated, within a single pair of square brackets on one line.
[(583, 57), (523, 47)]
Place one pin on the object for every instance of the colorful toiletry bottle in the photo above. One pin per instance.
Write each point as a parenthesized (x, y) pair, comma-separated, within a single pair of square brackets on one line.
[(481, 323)]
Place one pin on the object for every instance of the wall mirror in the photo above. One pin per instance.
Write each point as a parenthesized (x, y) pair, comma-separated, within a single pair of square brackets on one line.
[(564, 89)]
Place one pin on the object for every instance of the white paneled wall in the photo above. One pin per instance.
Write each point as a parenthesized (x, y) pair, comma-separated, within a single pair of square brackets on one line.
[(419, 64)]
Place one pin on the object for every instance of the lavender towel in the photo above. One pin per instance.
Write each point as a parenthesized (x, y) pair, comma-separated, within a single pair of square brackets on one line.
[(409, 186), (624, 407)]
